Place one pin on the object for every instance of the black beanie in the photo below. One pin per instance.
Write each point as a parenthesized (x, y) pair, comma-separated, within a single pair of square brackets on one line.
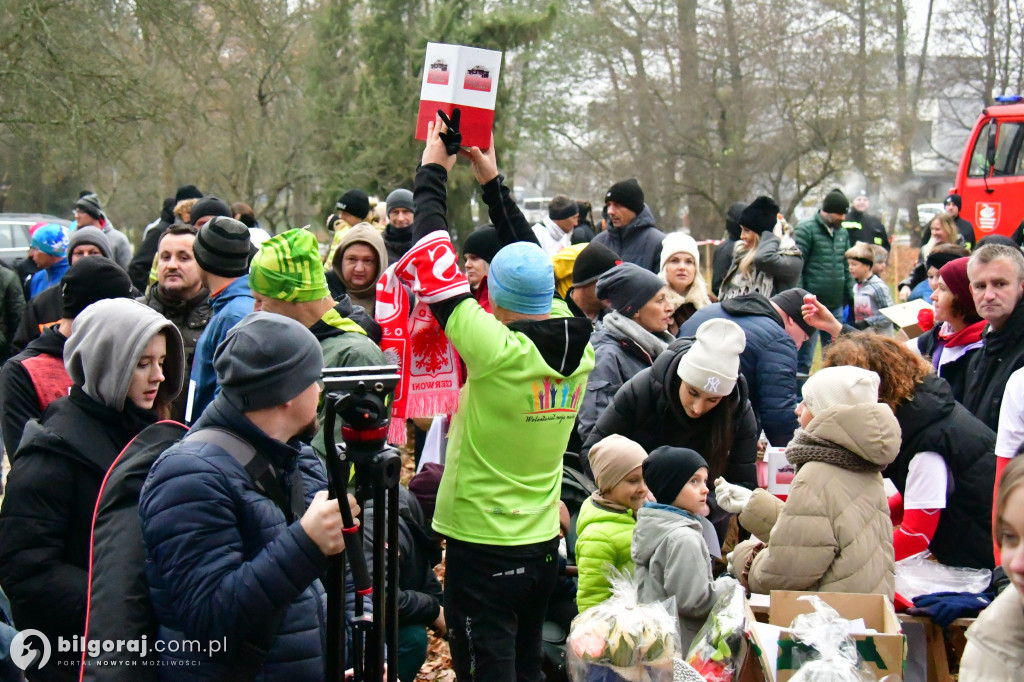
[(760, 216), (628, 287), (222, 247), (592, 262), (996, 239), (937, 260), (835, 202), (187, 192), (955, 200), (209, 206), (667, 470), (732, 219), (627, 193), (483, 243), (356, 202), (790, 302), (90, 280), (90, 203)]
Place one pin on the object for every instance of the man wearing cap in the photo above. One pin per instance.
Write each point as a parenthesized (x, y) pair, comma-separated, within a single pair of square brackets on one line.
[(554, 233), (398, 233), (50, 247), (862, 227), (88, 211), (826, 273), (142, 261), (592, 262), (527, 366), (775, 329), (632, 233), (45, 309), (286, 279), (953, 205), (353, 207), (260, 557), (35, 377), (222, 251), (478, 250), (179, 295)]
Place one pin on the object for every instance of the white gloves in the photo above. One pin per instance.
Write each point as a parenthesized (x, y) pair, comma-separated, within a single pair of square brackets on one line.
[(731, 498), (730, 560)]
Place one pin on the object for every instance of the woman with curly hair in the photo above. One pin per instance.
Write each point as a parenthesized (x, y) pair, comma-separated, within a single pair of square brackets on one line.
[(945, 469)]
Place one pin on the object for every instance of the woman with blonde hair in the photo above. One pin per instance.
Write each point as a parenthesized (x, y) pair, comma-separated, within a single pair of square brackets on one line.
[(766, 259), (943, 231), (680, 270)]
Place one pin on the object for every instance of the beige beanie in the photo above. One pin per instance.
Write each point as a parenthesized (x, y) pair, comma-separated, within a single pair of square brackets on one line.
[(712, 364), (844, 385), (612, 458)]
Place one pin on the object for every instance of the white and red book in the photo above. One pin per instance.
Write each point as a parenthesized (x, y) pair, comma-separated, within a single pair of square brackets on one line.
[(456, 76)]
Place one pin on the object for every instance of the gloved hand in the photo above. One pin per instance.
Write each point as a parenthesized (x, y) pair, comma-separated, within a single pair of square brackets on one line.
[(731, 498), (453, 137), (862, 325), (945, 607), (725, 582)]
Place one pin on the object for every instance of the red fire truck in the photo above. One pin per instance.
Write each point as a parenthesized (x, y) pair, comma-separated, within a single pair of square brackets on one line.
[(990, 178)]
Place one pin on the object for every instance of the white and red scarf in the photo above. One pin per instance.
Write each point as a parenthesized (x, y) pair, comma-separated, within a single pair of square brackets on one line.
[(428, 363)]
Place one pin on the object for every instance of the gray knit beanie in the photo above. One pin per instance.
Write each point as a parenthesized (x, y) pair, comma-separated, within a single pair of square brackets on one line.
[(266, 360), (400, 198), (222, 247), (89, 235), (628, 287)]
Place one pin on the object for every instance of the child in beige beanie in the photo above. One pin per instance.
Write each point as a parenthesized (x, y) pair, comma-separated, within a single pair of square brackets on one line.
[(606, 520)]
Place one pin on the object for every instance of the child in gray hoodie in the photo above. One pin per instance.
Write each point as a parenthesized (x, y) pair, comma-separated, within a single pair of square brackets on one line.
[(671, 556)]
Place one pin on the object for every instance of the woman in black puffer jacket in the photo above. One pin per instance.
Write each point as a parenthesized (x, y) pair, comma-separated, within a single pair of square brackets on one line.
[(945, 470), (693, 396)]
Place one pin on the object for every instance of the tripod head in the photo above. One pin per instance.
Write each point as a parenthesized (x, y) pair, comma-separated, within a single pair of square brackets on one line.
[(359, 396)]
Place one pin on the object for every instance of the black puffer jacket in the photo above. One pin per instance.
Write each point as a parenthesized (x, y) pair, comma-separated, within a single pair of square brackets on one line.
[(647, 410), (954, 371), (991, 367), (46, 520), (933, 422)]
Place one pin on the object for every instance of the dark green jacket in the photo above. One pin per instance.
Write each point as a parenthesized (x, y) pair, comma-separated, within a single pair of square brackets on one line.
[(826, 272)]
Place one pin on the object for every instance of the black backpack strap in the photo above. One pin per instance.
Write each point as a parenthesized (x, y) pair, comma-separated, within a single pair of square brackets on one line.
[(291, 502), (248, 660)]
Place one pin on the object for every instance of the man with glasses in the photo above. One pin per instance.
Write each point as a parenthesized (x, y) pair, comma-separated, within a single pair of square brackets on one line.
[(826, 274)]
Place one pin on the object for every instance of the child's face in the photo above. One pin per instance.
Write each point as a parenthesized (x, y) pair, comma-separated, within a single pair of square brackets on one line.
[(1012, 538), (859, 271), (694, 495), (629, 492), (803, 415)]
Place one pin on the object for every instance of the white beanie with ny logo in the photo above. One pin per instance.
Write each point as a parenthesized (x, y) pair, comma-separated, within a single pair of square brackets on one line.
[(712, 364)]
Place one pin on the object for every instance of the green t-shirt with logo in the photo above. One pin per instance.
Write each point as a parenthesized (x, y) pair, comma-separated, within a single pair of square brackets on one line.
[(503, 468)]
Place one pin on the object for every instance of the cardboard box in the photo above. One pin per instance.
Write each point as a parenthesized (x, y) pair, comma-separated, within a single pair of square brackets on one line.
[(884, 654), (904, 316)]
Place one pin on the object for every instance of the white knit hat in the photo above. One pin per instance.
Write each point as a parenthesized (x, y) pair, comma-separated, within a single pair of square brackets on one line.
[(712, 364), (844, 385), (679, 242)]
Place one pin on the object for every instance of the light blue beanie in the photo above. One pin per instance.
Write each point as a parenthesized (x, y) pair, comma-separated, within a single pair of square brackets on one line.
[(522, 279)]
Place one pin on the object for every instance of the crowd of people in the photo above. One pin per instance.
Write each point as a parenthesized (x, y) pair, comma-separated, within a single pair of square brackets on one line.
[(596, 347)]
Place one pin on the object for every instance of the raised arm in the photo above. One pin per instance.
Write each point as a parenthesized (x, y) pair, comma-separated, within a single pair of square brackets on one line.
[(504, 214)]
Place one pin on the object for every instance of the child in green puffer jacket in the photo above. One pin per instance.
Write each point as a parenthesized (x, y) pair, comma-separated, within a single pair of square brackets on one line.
[(606, 520)]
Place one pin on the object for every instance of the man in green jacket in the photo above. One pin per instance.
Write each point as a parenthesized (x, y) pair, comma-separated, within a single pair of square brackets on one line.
[(286, 278), (823, 243)]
